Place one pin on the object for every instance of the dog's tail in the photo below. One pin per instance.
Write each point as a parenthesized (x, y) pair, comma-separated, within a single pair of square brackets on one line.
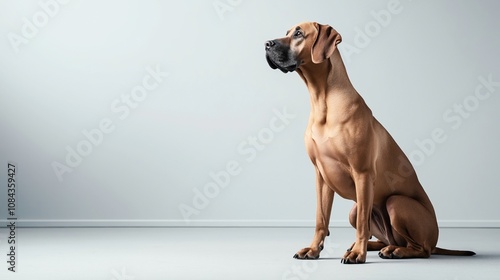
[(441, 251)]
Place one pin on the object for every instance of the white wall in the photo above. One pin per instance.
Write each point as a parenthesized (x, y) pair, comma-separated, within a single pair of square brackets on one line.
[(201, 90)]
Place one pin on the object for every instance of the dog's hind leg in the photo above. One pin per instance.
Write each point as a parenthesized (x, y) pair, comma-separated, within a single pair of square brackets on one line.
[(414, 228), (380, 228)]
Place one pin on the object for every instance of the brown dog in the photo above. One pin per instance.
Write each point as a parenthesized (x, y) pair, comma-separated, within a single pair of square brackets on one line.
[(355, 156)]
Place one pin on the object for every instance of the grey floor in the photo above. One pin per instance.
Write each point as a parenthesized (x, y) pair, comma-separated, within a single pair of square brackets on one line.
[(230, 253)]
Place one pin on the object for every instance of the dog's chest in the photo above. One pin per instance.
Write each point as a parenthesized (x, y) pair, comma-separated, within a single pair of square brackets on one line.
[(327, 143), (329, 156)]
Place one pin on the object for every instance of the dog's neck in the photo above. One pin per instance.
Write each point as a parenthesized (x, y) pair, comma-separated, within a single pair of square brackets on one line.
[(336, 94), (332, 70)]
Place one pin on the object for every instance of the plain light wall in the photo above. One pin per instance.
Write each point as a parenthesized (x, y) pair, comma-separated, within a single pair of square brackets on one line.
[(196, 129)]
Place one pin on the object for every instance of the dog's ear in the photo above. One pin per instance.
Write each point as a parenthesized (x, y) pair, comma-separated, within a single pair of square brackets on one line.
[(325, 43)]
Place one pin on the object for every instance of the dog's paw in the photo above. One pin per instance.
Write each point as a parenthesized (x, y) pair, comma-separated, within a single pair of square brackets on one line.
[(353, 256), (308, 253), (389, 252), (396, 252)]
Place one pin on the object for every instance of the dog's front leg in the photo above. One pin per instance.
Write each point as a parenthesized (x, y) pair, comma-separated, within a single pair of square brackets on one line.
[(364, 199), (324, 196)]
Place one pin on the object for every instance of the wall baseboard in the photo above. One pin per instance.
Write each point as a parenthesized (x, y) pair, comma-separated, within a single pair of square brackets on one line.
[(223, 223)]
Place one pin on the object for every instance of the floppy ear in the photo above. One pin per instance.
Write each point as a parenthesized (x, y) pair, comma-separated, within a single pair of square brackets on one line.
[(325, 43)]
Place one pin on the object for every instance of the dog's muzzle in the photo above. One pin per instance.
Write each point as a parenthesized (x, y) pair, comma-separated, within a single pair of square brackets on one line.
[(279, 56)]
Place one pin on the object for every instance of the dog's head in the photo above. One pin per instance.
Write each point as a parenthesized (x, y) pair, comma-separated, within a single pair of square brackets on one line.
[(308, 42)]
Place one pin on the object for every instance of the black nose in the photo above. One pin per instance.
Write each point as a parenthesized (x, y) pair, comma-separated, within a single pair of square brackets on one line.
[(270, 44)]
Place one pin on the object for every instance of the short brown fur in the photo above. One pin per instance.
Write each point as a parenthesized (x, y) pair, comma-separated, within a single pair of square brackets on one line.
[(354, 156)]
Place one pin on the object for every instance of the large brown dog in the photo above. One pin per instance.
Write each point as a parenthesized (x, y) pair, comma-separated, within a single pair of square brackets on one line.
[(355, 156)]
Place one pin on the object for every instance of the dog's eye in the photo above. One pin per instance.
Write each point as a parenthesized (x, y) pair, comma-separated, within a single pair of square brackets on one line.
[(298, 34)]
